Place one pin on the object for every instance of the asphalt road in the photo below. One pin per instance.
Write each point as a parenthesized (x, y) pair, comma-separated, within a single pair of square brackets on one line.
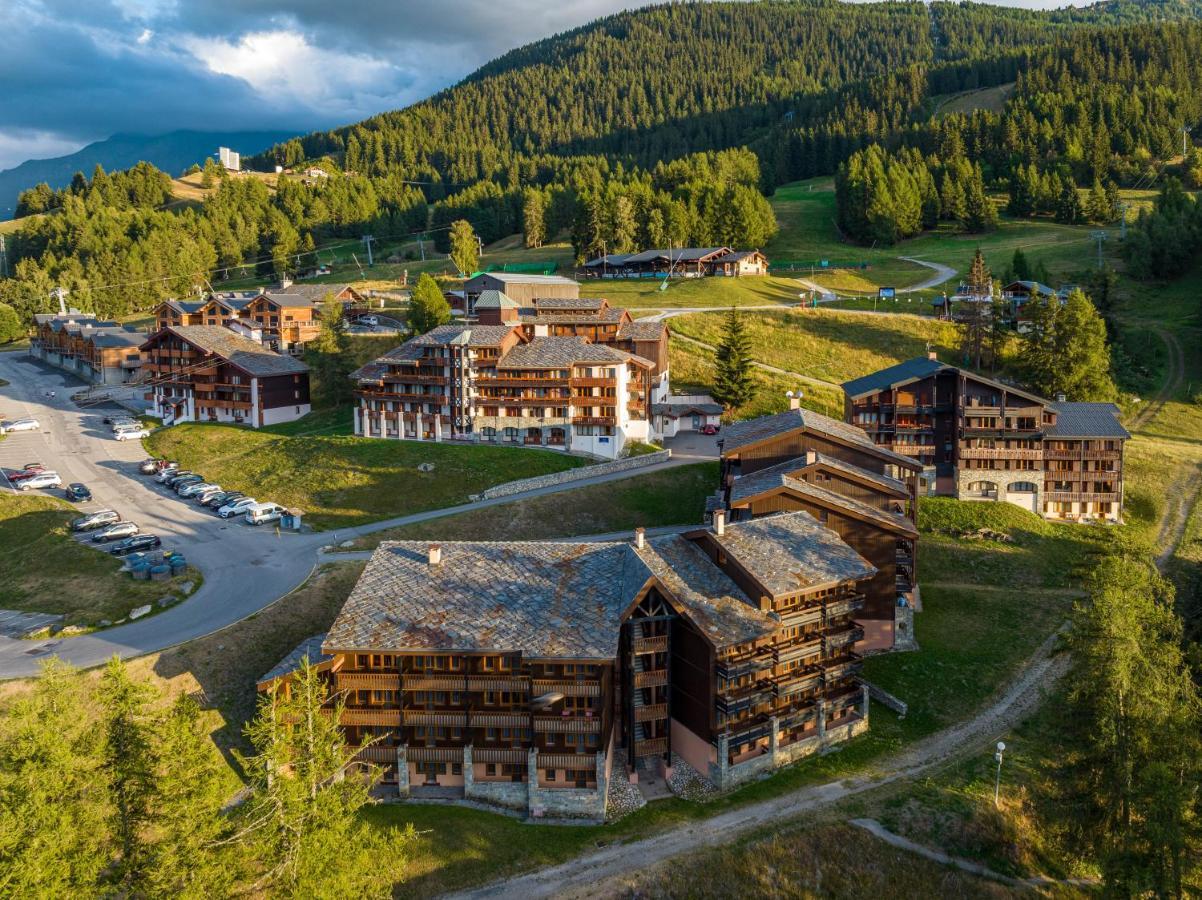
[(244, 568)]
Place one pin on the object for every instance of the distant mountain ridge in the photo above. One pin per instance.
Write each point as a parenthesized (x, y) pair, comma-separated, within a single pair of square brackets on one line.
[(172, 152)]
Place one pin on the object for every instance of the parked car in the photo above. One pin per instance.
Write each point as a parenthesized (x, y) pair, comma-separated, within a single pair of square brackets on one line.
[(98, 519), (216, 501), (153, 466), (136, 544), (239, 506), (204, 495), (263, 513), (177, 474), (180, 483), (369, 321), (195, 487), (131, 425), (710, 429), (28, 472), (77, 493), (167, 474), (114, 418), (115, 532), (21, 425), (133, 435), (41, 480)]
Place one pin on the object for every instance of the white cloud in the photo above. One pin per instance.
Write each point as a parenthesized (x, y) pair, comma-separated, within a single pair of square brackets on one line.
[(18, 146), (145, 36)]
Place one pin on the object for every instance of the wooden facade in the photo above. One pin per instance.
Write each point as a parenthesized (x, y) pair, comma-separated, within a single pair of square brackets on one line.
[(97, 351)]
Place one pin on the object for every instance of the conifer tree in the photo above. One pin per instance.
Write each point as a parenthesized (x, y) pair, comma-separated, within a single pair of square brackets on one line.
[(330, 355), (1097, 207), (534, 217), (1065, 351), (1069, 209), (465, 251), (734, 382), (1019, 267), (980, 215), (428, 308)]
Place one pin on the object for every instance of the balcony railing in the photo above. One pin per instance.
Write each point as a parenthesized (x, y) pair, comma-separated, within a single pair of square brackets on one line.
[(657, 644), (376, 753), (513, 756), (566, 760), (651, 747), (444, 718), (367, 681), (651, 713), (567, 688), (593, 420), (567, 725), (500, 720), (999, 453), (654, 678), (362, 716)]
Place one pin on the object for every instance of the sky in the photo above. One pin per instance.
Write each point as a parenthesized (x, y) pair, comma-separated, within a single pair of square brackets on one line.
[(75, 71)]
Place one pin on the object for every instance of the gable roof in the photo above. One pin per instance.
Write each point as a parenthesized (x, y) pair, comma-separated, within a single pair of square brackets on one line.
[(792, 552), (309, 648), (492, 299), (612, 259), (519, 278), (1086, 420), (754, 431), (247, 355), (893, 376), (641, 330), (782, 478), (561, 352), (676, 254), (595, 303)]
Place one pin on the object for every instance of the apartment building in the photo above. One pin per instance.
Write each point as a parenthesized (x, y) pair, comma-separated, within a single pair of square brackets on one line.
[(864, 493), (493, 384), (97, 351), (206, 373), (528, 675), (980, 439)]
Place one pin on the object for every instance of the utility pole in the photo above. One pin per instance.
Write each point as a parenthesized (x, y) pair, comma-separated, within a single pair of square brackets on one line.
[(997, 783), (1123, 207), (1185, 133), (60, 295), (421, 245), (367, 239), (1100, 237)]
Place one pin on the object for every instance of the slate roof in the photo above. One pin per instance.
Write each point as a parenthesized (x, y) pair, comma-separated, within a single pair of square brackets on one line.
[(310, 647), (641, 330), (292, 301), (613, 259), (567, 302), (250, 357), (608, 316), (541, 598), (714, 603), (736, 255), (471, 335), (118, 338), (782, 477), (491, 299), (751, 431), (679, 407), (561, 352), (754, 482), (791, 552), (903, 373), (1086, 420)]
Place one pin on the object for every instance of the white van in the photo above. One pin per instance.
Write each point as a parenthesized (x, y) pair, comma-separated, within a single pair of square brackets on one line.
[(262, 513)]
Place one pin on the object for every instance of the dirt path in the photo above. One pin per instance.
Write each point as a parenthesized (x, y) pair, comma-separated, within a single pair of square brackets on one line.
[(588, 874), (1172, 381), (942, 273), (1172, 528)]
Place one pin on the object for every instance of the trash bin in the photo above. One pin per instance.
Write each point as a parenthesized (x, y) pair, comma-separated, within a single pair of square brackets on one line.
[(178, 564), (160, 573), (140, 571)]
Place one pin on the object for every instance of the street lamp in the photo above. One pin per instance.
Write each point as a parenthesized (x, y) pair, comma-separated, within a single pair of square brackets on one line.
[(997, 783)]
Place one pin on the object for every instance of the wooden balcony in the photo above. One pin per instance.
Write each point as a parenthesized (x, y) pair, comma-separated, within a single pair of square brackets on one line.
[(435, 754), (657, 644), (500, 719), (594, 420), (652, 747), (796, 683), (651, 713), (445, 718), (371, 716), (654, 678), (1062, 454), (566, 760), (510, 755), (592, 382), (589, 400), (501, 381), (366, 681), (913, 449), (432, 683), (1081, 497), (1004, 453), (567, 724), (414, 379), (567, 688), (1103, 454), (374, 754), (218, 403), (513, 683)]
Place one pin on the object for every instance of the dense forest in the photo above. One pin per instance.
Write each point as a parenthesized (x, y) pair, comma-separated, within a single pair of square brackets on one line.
[(669, 125)]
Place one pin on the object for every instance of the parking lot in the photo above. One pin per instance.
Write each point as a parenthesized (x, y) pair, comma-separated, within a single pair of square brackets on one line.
[(241, 564)]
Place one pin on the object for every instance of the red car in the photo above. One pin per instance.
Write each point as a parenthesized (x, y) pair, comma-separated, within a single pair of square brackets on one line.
[(27, 472), (710, 429)]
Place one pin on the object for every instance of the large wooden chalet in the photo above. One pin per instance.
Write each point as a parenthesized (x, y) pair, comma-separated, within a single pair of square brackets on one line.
[(678, 261), (97, 351), (980, 439), (868, 495), (528, 675)]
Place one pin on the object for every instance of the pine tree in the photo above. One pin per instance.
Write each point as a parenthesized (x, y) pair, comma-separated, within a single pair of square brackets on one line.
[(974, 315), (534, 213), (980, 215), (465, 250), (622, 225), (1069, 210), (1064, 349), (1019, 266), (1097, 208), (54, 812), (734, 382), (428, 308), (128, 761), (302, 819), (329, 355)]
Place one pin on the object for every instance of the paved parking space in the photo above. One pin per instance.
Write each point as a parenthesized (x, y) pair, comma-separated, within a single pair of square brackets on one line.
[(693, 446)]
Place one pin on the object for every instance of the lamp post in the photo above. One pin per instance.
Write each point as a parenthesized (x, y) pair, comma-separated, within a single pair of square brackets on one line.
[(997, 783)]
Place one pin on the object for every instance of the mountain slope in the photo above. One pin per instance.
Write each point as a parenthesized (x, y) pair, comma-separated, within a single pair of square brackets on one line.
[(172, 152)]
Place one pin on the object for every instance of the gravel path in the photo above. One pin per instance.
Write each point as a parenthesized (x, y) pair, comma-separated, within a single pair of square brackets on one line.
[(588, 874), (1172, 382), (942, 273)]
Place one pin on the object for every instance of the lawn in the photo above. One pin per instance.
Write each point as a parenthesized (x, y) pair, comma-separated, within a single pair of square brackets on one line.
[(44, 570), (831, 345), (645, 293), (673, 496), (339, 480)]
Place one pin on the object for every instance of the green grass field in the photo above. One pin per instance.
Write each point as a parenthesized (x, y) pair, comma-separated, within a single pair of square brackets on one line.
[(43, 570), (673, 496), (339, 480)]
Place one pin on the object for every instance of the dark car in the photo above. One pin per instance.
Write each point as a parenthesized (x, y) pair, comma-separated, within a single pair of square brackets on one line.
[(97, 519), (179, 476), (219, 500), (77, 493), (179, 484), (136, 544), (710, 429)]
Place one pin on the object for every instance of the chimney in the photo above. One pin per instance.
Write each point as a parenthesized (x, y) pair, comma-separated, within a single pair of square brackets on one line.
[(794, 399), (435, 554), (285, 282), (640, 537), (933, 356), (719, 522), (811, 457), (1060, 397)]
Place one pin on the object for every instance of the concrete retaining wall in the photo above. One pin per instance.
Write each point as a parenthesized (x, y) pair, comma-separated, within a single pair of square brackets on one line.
[(584, 472)]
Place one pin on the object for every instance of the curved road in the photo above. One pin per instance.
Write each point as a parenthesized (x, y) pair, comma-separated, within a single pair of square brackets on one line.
[(244, 568)]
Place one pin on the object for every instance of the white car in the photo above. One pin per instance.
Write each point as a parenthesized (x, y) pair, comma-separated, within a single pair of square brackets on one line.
[(22, 425), (207, 493), (190, 490), (132, 435), (369, 321), (131, 425), (263, 513), (241, 505), (41, 480)]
